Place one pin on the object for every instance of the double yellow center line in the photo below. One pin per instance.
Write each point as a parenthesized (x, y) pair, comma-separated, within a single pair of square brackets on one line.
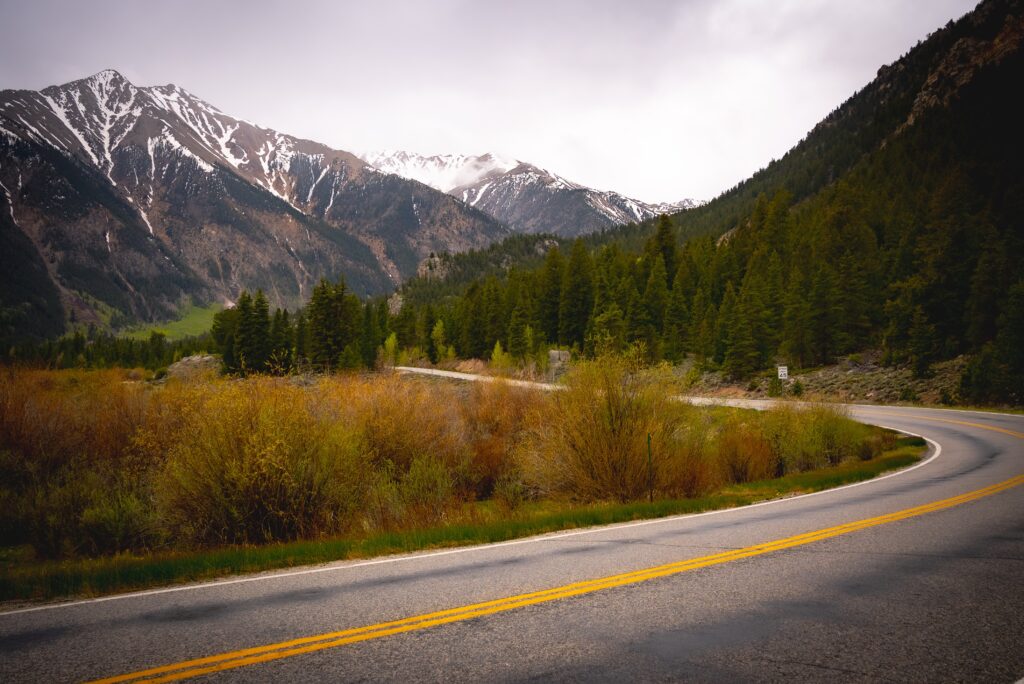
[(320, 642)]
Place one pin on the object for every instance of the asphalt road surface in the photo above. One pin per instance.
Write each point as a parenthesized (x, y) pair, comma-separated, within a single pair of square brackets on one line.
[(917, 576)]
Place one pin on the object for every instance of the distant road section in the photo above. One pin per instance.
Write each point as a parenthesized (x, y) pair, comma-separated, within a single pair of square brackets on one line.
[(914, 576)]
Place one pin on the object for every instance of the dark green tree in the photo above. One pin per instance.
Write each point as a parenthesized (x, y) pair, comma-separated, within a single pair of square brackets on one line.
[(577, 297), (551, 277)]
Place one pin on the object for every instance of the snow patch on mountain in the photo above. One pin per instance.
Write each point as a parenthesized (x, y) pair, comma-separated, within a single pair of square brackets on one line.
[(443, 172)]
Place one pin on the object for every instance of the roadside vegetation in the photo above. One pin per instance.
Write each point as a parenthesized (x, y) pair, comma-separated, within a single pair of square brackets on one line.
[(108, 482)]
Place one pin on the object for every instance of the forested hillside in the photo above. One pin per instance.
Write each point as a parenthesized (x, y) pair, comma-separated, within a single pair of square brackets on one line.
[(897, 223)]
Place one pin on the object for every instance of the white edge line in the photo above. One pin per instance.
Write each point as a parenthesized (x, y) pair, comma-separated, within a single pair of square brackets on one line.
[(342, 565)]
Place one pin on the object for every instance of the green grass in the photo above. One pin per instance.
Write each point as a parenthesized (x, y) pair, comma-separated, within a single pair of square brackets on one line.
[(23, 579), (195, 320)]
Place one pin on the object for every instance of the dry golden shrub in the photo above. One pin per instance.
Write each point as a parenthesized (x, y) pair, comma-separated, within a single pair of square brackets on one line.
[(494, 415), (257, 465), (743, 451), (415, 444), (592, 441)]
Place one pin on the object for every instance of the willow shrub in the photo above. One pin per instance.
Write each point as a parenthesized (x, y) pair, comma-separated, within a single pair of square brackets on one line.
[(67, 443), (592, 442), (259, 464)]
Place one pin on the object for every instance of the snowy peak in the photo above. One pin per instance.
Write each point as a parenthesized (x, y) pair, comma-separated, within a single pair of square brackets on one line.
[(104, 119), (524, 196), (443, 172)]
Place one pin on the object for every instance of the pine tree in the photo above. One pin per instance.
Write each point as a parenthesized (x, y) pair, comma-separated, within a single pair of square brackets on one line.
[(577, 297), (824, 315), (665, 246), (370, 338), (473, 336), (517, 325), (607, 333), (495, 321), (656, 295), (245, 334), (703, 315), (1009, 344), (725, 323), (742, 357), (301, 339), (551, 277), (677, 324), (986, 289), (280, 357), (323, 326), (922, 343)]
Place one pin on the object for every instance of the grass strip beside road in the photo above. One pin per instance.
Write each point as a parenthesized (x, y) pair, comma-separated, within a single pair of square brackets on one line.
[(20, 580)]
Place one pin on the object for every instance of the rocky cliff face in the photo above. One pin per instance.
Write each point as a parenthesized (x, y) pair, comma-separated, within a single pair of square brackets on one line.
[(120, 202)]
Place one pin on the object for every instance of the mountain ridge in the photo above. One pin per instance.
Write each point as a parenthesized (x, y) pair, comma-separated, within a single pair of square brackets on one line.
[(528, 198)]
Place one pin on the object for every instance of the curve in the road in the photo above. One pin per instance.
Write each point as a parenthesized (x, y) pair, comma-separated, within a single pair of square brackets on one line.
[(294, 647)]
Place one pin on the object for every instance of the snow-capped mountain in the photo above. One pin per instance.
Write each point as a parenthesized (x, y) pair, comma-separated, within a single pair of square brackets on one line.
[(526, 197), (122, 202)]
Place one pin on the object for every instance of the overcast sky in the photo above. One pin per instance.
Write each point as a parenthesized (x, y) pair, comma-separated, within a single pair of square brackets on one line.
[(658, 100)]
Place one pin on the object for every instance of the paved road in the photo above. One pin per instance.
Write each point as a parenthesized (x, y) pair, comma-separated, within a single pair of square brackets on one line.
[(921, 591)]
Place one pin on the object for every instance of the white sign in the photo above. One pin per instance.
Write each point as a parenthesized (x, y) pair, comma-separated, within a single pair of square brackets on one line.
[(783, 372)]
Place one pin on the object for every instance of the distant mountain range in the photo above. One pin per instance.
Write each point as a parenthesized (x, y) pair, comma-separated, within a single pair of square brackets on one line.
[(121, 203), (527, 198)]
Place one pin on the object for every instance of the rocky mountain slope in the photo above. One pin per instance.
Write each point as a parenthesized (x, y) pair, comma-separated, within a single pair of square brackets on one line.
[(526, 197), (120, 202)]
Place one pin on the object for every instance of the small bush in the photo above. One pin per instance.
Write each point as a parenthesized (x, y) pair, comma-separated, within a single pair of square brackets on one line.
[(743, 451), (592, 445), (494, 415), (908, 394), (257, 466)]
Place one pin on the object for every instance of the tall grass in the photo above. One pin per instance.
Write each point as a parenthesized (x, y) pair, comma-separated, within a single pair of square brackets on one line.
[(94, 463)]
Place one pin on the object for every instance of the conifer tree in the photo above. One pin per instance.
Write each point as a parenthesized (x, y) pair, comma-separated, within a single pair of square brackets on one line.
[(725, 323), (665, 246), (495, 322), (301, 334), (551, 277), (607, 333), (280, 357), (741, 357), (677, 323), (703, 315), (323, 342), (796, 322), (517, 325), (656, 295), (577, 297), (922, 343), (371, 336), (246, 346)]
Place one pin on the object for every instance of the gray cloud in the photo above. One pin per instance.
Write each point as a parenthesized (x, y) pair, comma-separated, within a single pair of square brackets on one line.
[(659, 100)]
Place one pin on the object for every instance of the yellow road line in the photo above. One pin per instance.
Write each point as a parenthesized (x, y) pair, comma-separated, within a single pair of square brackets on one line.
[(294, 647), (990, 428)]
